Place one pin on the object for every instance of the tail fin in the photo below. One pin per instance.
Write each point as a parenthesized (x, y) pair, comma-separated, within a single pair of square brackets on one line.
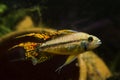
[(16, 54)]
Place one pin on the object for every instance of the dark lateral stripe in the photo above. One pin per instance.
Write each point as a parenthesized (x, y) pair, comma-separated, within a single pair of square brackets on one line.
[(57, 44)]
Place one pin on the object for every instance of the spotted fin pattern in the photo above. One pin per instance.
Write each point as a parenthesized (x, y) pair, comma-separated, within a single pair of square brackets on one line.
[(32, 52)]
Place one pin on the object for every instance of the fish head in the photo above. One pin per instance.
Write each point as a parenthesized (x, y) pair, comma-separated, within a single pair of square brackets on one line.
[(89, 42)]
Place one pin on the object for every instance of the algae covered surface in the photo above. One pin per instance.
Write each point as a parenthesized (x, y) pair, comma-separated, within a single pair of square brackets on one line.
[(100, 18)]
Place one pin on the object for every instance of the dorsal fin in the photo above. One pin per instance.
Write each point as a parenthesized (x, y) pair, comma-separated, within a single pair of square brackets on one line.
[(67, 31)]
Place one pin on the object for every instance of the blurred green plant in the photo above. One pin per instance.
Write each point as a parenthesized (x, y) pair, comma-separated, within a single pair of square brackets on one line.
[(3, 28), (2, 8), (11, 18)]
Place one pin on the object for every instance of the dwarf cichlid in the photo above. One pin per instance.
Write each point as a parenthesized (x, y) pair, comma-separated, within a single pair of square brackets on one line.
[(62, 42), (71, 44)]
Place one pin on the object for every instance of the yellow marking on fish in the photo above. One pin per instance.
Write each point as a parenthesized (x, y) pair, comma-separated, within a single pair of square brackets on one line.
[(31, 52)]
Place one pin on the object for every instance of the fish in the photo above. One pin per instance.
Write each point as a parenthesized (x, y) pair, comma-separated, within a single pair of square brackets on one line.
[(61, 42), (71, 45)]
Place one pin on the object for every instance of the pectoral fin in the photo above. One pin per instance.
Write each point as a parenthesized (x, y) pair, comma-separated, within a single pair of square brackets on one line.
[(34, 61), (70, 59)]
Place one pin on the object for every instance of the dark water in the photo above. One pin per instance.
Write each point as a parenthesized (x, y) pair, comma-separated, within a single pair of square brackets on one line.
[(98, 17)]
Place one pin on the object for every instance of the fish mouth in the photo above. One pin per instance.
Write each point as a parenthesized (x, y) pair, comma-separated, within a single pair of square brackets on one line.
[(99, 42)]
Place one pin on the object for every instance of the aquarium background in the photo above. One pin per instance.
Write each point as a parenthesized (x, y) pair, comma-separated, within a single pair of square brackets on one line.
[(97, 17)]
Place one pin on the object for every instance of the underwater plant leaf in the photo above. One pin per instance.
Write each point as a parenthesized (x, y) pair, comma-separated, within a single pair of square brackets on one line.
[(26, 23), (92, 66), (83, 69)]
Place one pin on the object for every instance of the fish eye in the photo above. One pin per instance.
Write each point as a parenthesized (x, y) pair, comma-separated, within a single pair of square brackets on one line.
[(90, 39)]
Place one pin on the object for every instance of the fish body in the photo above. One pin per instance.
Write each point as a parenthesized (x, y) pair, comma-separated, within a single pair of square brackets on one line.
[(32, 42), (62, 42), (71, 44)]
